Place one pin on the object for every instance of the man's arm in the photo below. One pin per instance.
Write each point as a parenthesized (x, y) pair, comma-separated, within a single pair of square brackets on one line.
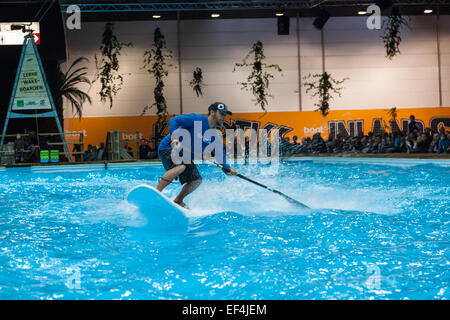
[(182, 121)]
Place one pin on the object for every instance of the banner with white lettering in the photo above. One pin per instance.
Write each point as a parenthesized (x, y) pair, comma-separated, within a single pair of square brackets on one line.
[(31, 92)]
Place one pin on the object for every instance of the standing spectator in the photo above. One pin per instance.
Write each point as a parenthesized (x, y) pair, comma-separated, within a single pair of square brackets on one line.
[(398, 142), (19, 145), (413, 125), (77, 148), (101, 152), (33, 147)]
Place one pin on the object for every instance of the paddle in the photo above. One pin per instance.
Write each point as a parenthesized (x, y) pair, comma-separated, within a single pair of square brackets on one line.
[(293, 201)]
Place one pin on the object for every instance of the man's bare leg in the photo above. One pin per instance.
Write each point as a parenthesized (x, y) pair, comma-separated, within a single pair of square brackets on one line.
[(187, 189), (169, 176)]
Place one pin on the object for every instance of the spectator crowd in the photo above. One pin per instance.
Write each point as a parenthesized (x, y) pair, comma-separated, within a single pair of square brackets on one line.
[(98, 153), (412, 141)]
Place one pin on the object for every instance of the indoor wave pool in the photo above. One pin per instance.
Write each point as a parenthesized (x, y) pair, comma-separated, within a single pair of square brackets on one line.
[(378, 229)]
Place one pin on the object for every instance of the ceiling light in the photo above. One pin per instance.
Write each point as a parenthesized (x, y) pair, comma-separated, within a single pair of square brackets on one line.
[(156, 16), (427, 11), (361, 13), (279, 14), (215, 15)]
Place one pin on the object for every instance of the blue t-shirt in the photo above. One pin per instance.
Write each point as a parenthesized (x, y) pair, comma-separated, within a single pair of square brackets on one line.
[(186, 121)]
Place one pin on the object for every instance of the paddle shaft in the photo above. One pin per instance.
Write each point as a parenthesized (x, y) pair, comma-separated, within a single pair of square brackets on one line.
[(261, 185), (265, 187)]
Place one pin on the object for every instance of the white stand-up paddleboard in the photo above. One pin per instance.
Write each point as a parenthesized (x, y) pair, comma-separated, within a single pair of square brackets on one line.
[(159, 211)]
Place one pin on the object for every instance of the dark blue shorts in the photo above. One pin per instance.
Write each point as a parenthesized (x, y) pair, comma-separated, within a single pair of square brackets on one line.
[(189, 174)]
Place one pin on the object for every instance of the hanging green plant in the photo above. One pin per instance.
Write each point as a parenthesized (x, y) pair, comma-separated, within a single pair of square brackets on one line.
[(258, 80), (155, 64), (108, 66), (392, 32), (197, 82), (323, 85)]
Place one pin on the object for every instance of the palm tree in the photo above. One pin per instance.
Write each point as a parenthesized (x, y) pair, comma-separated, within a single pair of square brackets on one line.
[(67, 87)]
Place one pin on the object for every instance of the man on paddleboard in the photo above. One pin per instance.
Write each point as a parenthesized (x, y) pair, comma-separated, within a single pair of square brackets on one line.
[(188, 173)]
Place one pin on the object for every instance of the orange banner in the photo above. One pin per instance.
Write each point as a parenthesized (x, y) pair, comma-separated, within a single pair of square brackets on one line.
[(300, 124)]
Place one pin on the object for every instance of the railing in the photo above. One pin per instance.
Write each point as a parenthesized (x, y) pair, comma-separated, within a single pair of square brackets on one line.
[(114, 145), (7, 151)]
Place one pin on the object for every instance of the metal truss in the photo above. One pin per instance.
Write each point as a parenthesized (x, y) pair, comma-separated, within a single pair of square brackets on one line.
[(348, 3), (147, 6), (114, 6)]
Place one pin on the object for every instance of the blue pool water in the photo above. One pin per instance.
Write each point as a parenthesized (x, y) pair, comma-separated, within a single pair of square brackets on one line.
[(379, 229)]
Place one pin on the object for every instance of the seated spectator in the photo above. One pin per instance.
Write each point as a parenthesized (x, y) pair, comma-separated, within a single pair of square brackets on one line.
[(444, 143), (153, 152), (422, 143), (127, 148), (284, 146), (101, 152), (318, 144), (93, 155), (391, 144), (304, 147), (411, 144), (144, 149), (433, 147), (428, 135), (19, 145), (357, 145), (87, 153), (381, 145)]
